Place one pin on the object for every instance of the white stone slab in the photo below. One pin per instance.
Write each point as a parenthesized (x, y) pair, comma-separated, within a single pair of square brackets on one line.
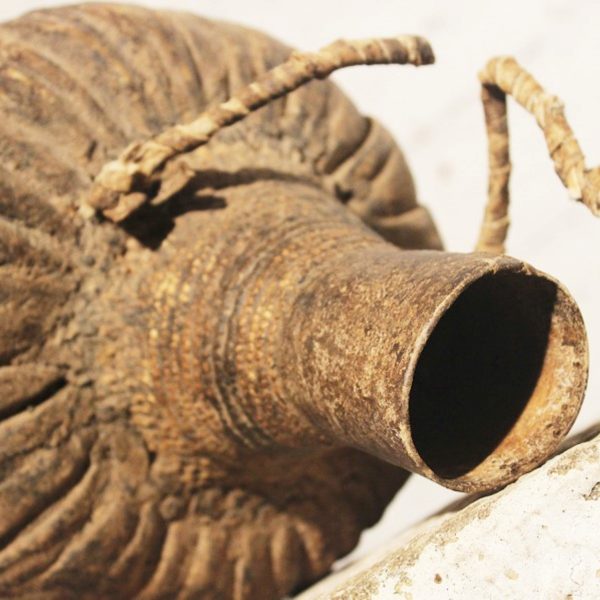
[(537, 538)]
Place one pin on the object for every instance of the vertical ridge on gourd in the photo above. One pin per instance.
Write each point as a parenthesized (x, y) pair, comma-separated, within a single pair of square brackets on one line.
[(154, 442), (27, 384), (36, 279)]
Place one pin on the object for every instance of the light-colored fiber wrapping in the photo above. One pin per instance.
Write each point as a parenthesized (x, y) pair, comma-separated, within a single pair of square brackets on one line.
[(503, 76)]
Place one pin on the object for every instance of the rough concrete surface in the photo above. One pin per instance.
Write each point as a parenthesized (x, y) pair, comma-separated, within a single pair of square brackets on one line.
[(537, 538)]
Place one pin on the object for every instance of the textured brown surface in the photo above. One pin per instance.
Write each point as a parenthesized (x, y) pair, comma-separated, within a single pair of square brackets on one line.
[(88, 506), (167, 430)]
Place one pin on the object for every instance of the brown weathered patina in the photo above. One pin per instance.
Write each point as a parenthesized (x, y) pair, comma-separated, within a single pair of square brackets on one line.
[(213, 360)]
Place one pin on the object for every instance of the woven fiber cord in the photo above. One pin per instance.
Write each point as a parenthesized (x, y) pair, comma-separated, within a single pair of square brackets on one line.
[(122, 185), (503, 76)]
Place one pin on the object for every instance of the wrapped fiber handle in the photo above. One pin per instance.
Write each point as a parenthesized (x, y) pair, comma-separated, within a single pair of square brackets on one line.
[(503, 76)]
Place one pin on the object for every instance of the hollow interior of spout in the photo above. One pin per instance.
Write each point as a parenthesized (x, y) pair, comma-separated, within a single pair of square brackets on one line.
[(488, 361)]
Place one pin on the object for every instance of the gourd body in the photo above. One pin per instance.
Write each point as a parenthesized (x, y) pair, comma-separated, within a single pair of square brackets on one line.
[(125, 470)]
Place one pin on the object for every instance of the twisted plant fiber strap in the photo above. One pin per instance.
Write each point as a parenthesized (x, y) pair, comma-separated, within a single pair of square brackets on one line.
[(502, 76), (122, 185)]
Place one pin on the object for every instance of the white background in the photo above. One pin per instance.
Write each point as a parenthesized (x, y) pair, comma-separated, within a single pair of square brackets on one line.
[(434, 113)]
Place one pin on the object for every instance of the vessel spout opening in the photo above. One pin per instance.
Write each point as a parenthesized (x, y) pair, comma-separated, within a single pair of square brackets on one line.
[(487, 379)]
